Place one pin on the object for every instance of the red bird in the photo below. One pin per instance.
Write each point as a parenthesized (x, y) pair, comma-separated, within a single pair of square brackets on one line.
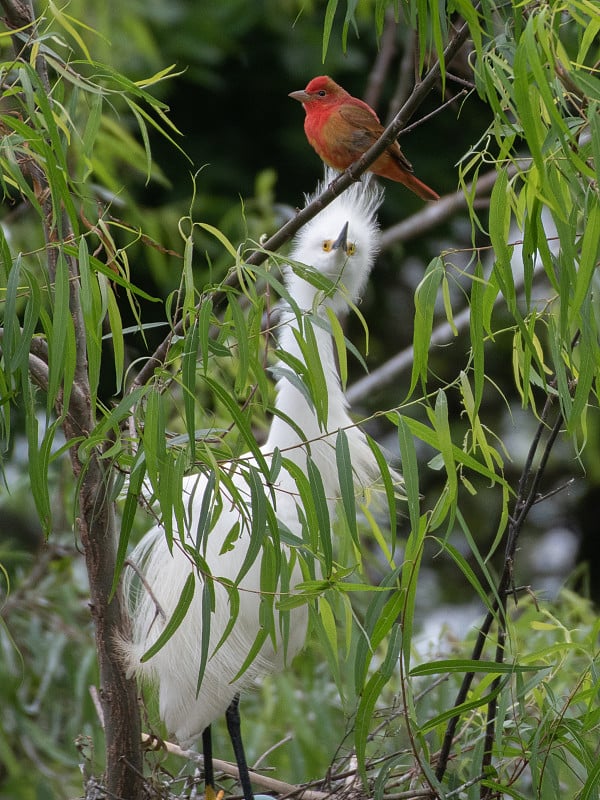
[(341, 128)]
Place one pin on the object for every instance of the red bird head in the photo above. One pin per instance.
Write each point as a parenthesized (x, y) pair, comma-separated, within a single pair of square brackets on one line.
[(320, 92)]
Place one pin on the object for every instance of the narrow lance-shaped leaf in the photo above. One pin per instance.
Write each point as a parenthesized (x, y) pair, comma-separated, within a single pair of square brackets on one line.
[(425, 297), (91, 308), (61, 339), (371, 695), (11, 337), (116, 330), (322, 513), (445, 446), (128, 514), (314, 375), (243, 348), (38, 457), (208, 600), (382, 612), (429, 436), (188, 376), (346, 478), (177, 617), (410, 472), (476, 323), (499, 222), (408, 584), (390, 492), (588, 259), (241, 423), (258, 522)]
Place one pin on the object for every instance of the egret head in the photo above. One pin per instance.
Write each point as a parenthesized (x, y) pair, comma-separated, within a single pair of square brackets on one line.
[(342, 241)]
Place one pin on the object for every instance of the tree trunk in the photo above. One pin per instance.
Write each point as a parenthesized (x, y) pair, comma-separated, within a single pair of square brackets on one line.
[(118, 694)]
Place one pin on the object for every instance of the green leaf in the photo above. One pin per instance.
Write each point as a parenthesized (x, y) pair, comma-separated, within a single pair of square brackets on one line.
[(459, 710), (188, 377), (129, 513), (425, 297), (446, 448), (116, 333), (93, 312), (382, 613), (390, 490), (472, 665), (61, 340), (371, 695), (208, 604), (499, 222), (154, 437), (261, 638), (242, 343), (322, 512), (427, 435), (588, 259), (408, 584), (177, 617), (38, 456), (241, 422), (258, 521), (346, 479), (340, 346), (313, 374), (410, 472), (328, 25)]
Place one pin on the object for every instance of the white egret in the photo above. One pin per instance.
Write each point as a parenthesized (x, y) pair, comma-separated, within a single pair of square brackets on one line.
[(341, 243)]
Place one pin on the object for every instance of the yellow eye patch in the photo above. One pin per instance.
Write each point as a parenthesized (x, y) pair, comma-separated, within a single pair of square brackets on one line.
[(328, 246)]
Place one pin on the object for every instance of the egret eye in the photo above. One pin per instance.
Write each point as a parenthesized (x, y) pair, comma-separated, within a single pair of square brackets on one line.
[(351, 249), (328, 245)]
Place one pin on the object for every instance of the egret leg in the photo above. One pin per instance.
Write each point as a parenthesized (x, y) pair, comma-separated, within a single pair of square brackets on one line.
[(232, 715), (209, 771)]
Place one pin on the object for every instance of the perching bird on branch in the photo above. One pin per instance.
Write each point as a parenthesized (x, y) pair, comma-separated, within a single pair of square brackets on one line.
[(340, 243), (341, 128)]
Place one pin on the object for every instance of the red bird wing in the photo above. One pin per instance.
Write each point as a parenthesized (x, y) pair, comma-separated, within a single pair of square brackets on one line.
[(366, 129)]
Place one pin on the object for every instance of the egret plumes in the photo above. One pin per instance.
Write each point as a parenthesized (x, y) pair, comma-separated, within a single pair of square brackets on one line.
[(341, 244)]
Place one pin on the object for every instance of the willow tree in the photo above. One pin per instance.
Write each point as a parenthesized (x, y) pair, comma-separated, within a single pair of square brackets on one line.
[(508, 720)]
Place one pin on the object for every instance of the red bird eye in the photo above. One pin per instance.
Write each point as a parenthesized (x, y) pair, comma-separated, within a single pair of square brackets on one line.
[(321, 92)]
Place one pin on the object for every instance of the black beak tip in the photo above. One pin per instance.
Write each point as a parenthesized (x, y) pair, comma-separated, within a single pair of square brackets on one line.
[(342, 239)]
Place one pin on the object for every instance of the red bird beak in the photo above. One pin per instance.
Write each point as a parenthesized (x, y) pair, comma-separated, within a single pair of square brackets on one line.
[(301, 96)]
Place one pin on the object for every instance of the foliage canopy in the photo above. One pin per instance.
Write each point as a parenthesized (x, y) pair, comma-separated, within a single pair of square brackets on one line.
[(133, 350)]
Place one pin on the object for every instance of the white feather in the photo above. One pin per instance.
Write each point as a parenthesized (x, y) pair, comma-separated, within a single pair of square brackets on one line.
[(175, 667)]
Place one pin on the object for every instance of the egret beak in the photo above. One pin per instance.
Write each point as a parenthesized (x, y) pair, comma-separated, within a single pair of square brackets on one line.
[(301, 96), (342, 239)]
